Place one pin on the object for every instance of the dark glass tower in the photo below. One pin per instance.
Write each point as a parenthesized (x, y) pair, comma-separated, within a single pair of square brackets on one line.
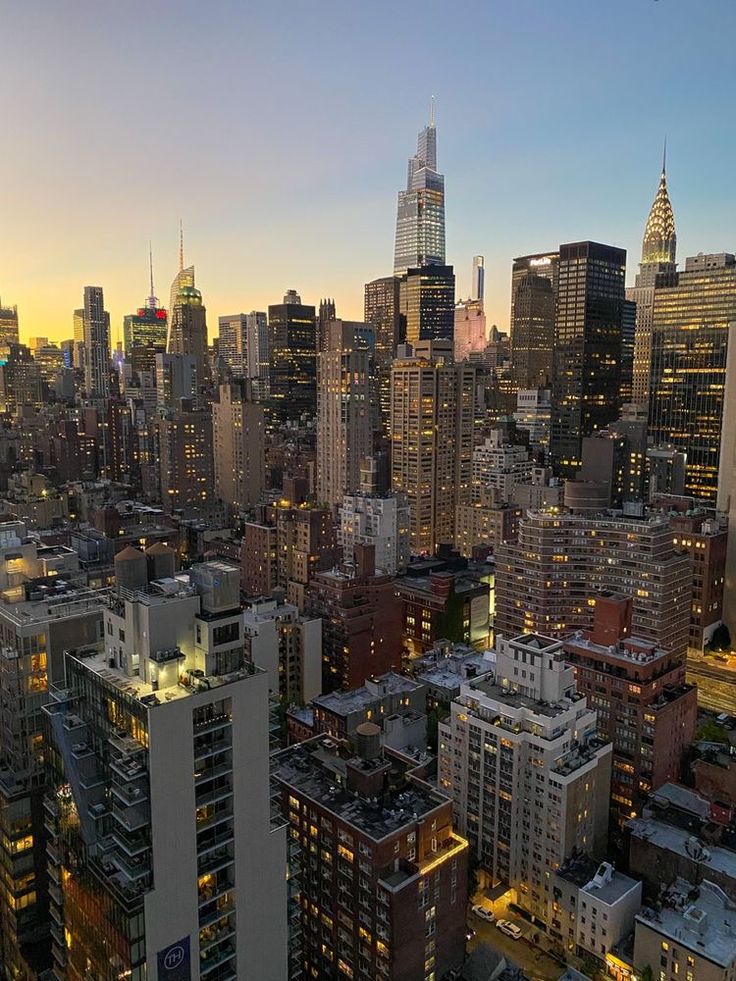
[(690, 329), (533, 331), (586, 392), (292, 332), (427, 304), (382, 313)]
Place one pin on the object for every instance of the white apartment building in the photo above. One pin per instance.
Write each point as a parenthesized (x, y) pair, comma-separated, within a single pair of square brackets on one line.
[(529, 779), (162, 850), (497, 468), (379, 521)]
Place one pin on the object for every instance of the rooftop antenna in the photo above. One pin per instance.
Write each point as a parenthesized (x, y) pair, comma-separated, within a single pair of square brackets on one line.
[(664, 157), (431, 111), (181, 245), (152, 302)]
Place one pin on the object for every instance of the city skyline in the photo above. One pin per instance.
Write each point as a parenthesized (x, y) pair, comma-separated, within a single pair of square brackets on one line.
[(512, 189)]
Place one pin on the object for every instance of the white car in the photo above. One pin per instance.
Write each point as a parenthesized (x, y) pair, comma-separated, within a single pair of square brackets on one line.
[(509, 928), (483, 913)]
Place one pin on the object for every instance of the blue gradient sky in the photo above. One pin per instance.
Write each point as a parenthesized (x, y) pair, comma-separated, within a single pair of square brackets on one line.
[(279, 131)]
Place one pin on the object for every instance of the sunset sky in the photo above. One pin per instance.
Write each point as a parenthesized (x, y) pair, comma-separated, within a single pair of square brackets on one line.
[(279, 132)]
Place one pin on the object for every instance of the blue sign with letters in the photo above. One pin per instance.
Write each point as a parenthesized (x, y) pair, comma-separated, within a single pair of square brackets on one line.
[(174, 962)]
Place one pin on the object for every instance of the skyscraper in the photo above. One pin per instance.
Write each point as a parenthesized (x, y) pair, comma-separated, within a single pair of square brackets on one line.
[(186, 459), (432, 420), (656, 270), (470, 329), (256, 347), (690, 348), (163, 859), (145, 332), (292, 358), (8, 324), (533, 331), (96, 344), (185, 277), (238, 433), (188, 333), (479, 278), (427, 303), (233, 335), (382, 312), (587, 364), (344, 431), (420, 219)]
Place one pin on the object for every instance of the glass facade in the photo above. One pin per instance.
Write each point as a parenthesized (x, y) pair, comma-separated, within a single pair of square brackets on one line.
[(420, 218), (586, 393), (292, 360), (689, 348), (427, 303)]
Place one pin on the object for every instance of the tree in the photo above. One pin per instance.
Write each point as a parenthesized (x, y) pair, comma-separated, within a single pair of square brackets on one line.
[(721, 639)]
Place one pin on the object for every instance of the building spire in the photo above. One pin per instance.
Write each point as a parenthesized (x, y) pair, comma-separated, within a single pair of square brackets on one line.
[(431, 110), (181, 245), (152, 301), (660, 240)]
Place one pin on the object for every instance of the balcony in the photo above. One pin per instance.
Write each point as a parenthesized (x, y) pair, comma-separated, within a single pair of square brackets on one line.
[(218, 956), (215, 861), (128, 769), (216, 914), (130, 794), (132, 818)]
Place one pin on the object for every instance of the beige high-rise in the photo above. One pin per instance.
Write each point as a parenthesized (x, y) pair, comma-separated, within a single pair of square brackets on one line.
[(239, 447), (432, 421), (344, 431)]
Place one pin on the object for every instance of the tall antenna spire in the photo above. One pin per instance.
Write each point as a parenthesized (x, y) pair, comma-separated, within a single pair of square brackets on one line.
[(152, 303), (664, 157), (431, 111), (181, 245)]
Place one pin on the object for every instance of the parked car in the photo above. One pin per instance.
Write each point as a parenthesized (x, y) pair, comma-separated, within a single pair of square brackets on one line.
[(509, 928), (483, 913)]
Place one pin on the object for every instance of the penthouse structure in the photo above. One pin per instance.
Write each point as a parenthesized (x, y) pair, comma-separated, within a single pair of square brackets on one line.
[(527, 773), (547, 581), (162, 853), (378, 874), (287, 645)]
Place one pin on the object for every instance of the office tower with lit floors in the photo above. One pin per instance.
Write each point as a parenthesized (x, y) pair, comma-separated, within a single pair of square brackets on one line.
[(163, 858), (256, 347), (344, 403), (292, 347), (432, 427), (382, 312), (533, 331), (420, 217), (657, 269), (233, 349), (427, 303), (693, 356), (586, 389)]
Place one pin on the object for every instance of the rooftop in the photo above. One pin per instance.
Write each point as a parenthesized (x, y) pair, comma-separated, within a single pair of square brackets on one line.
[(634, 650), (509, 698), (699, 918), (137, 688), (682, 842), (598, 879), (317, 769), (63, 601), (358, 699)]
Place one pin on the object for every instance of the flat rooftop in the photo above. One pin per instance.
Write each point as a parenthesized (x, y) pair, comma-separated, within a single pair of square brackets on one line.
[(358, 699), (58, 605), (609, 889), (137, 688), (318, 771), (634, 650), (682, 842), (516, 700), (699, 918)]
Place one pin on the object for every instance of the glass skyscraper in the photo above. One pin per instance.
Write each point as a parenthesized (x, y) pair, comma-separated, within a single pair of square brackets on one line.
[(420, 219), (586, 392), (689, 348)]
